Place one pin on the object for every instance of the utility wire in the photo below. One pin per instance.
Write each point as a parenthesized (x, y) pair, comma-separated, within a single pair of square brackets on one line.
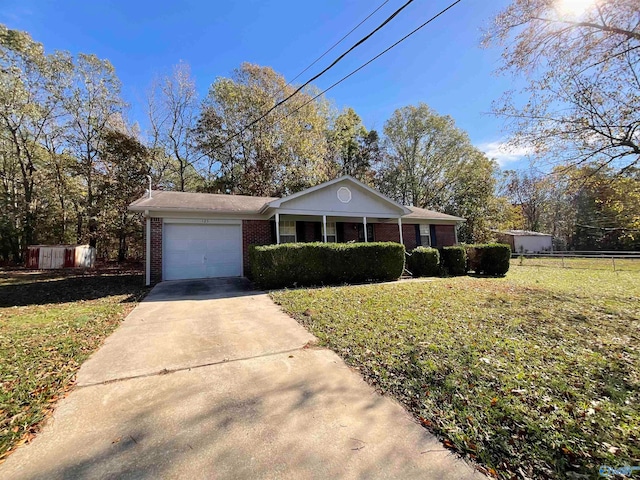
[(358, 43), (338, 42), (373, 59)]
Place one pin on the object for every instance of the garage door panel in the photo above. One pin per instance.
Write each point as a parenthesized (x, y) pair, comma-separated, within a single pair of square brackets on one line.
[(202, 251)]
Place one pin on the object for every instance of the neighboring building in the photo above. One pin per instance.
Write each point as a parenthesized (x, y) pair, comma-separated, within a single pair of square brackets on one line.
[(525, 241), (50, 257), (200, 235)]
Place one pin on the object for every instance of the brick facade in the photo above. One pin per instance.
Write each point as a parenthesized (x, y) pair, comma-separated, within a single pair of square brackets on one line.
[(409, 236), (254, 232), (350, 232), (386, 232), (389, 232), (445, 235), (260, 232), (156, 250)]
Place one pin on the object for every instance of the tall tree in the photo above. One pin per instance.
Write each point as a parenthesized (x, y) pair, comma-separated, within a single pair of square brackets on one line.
[(173, 111), (428, 162), (581, 105), (283, 153), (352, 148), (125, 162), (607, 208), (530, 192), (92, 105), (31, 83)]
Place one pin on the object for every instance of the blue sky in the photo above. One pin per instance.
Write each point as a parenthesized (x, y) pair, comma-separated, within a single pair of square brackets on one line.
[(441, 65)]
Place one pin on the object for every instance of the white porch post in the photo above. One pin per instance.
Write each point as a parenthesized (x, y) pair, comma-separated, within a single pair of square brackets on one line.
[(147, 269), (400, 229), (455, 233), (324, 227), (364, 221), (278, 228)]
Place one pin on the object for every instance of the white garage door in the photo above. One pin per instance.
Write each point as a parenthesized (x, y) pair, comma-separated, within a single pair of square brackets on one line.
[(201, 251)]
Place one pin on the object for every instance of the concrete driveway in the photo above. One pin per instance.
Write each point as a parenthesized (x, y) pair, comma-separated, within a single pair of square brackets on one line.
[(209, 379)]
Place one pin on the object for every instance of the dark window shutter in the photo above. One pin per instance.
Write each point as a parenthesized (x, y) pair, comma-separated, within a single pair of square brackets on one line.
[(418, 239), (300, 227), (317, 232), (432, 231), (340, 231), (272, 224)]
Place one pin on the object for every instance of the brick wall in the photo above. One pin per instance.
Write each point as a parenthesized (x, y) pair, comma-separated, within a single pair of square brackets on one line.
[(254, 232), (156, 250), (445, 235), (386, 232), (350, 231), (409, 236)]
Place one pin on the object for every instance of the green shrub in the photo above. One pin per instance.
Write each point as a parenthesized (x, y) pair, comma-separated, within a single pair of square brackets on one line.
[(305, 264), (453, 260), (424, 262), (489, 259)]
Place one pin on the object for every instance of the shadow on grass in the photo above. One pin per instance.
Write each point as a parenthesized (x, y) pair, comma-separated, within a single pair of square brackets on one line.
[(43, 291)]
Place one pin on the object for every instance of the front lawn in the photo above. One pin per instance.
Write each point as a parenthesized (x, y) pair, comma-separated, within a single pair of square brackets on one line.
[(50, 324), (533, 375)]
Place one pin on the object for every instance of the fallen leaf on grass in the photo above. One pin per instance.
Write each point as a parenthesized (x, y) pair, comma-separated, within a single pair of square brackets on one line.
[(425, 422)]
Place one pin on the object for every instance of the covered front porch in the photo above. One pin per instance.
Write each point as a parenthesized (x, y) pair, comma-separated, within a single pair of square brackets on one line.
[(326, 228)]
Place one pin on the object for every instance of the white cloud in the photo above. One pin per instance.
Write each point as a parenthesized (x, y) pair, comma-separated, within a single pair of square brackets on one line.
[(503, 153)]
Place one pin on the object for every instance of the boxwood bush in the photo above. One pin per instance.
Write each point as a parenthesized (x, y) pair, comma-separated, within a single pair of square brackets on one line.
[(453, 260), (306, 264), (489, 259), (424, 262)]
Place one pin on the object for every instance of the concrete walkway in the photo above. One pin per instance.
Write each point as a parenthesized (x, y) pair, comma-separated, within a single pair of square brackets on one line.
[(209, 379)]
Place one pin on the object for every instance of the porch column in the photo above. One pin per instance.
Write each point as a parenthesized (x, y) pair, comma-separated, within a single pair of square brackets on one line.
[(364, 221), (400, 229), (277, 228), (147, 269), (455, 232), (324, 227)]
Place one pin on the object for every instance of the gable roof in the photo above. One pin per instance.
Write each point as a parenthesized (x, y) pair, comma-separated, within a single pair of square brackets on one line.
[(424, 214), (345, 178), (209, 202), (168, 201)]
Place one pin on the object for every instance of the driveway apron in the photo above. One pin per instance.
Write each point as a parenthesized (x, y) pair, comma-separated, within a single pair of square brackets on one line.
[(210, 379)]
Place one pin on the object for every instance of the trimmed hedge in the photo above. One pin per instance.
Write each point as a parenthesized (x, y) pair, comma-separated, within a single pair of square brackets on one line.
[(424, 262), (453, 260), (307, 264), (489, 259)]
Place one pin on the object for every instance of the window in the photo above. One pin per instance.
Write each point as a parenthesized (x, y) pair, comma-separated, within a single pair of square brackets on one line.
[(331, 232), (425, 237), (287, 231), (369, 232)]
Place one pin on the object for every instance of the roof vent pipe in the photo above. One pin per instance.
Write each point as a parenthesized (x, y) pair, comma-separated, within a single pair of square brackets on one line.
[(149, 177)]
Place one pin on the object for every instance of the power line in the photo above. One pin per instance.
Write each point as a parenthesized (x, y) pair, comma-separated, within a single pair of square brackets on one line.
[(338, 42), (358, 43), (441, 12)]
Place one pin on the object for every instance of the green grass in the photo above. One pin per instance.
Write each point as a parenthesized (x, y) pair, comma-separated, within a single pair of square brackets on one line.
[(536, 374), (593, 263), (48, 326)]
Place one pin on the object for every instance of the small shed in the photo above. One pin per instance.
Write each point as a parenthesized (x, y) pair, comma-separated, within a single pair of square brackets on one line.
[(50, 257), (526, 241)]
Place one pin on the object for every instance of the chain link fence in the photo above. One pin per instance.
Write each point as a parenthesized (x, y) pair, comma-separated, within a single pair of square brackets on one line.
[(588, 260)]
